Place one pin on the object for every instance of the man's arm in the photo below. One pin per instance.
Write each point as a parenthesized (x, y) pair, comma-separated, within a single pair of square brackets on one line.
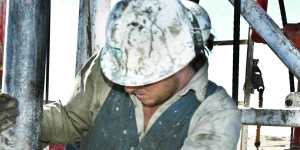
[(215, 125), (67, 123)]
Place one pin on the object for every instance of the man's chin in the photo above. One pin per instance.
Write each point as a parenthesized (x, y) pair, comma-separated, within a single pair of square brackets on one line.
[(148, 103)]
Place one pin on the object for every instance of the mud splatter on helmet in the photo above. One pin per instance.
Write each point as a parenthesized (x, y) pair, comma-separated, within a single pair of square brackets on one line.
[(147, 41)]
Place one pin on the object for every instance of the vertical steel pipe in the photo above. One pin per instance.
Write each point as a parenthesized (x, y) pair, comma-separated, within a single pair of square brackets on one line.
[(27, 41), (247, 87), (84, 50), (91, 29), (272, 34), (284, 23), (99, 14)]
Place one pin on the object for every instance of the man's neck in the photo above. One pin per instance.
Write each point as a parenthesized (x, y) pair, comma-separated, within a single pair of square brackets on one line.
[(148, 112), (185, 75)]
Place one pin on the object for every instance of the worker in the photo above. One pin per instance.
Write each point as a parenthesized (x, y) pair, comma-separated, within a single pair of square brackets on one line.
[(148, 87)]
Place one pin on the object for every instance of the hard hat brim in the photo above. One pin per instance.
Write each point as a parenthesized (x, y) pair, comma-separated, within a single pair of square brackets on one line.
[(115, 73)]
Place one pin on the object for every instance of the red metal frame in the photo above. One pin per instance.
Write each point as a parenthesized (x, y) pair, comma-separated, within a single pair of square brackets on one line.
[(292, 31), (2, 28), (295, 139), (56, 147)]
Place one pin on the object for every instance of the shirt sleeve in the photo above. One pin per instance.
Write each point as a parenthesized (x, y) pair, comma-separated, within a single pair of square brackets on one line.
[(67, 123), (215, 125)]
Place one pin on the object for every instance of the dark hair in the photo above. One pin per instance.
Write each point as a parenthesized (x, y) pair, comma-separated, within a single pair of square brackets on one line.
[(200, 51)]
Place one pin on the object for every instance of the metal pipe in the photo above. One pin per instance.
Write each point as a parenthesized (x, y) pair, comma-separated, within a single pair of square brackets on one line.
[(271, 117), (247, 87), (91, 29), (284, 23), (84, 49), (236, 51), (100, 10), (27, 41), (229, 42), (291, 76), (272, 34), (282, 12)]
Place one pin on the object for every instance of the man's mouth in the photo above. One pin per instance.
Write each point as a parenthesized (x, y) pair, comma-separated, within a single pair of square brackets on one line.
[(139, 95)]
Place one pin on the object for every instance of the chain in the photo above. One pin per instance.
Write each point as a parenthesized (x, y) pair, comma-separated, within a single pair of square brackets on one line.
[(257, 84)]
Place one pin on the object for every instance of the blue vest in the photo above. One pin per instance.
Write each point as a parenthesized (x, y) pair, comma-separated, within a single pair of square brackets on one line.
[(115, 125)]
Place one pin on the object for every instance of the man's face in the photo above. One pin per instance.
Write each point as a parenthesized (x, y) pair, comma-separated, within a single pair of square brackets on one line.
[(153, 95)]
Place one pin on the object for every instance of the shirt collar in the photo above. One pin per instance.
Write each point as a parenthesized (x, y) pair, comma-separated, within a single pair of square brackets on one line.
[(197, 84)]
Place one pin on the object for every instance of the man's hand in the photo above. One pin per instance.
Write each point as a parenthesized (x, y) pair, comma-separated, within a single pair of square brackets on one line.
[(8, 111)]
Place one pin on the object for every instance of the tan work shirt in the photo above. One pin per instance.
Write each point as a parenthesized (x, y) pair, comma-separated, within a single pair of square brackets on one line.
[(215, 124)]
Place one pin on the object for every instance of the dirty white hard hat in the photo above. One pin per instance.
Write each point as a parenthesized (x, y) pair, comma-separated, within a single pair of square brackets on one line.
[(150, 40), (200, 21)]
